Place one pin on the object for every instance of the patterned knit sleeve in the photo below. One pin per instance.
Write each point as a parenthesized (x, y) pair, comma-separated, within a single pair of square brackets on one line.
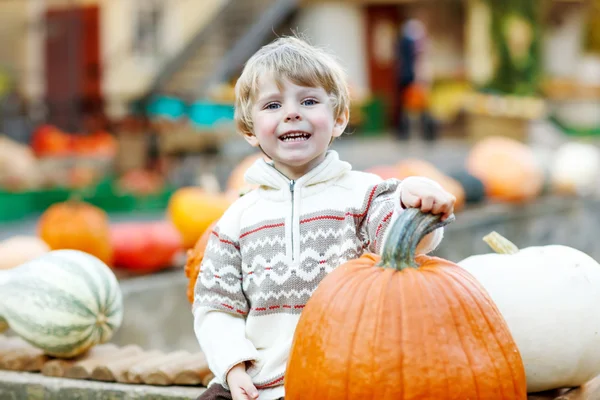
[(220, 307), (219, 284), (383, 207), (382, 201)]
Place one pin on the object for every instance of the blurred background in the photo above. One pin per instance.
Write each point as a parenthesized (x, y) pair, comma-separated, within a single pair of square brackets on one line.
[(117, 134), (124, 103)]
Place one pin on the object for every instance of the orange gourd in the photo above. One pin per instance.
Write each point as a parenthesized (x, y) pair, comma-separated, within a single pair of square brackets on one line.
[(194, 259), (403, 327), (192, 210), (77, 225), (508, 169), (416, 167)]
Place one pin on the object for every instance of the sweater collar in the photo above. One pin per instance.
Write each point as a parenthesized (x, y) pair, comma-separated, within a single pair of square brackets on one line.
[(263, 173)]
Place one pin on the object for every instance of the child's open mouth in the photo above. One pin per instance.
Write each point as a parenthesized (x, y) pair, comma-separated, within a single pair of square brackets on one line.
[(294, 137)]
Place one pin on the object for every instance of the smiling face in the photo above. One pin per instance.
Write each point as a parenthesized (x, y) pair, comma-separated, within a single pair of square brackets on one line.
[(293, 124)]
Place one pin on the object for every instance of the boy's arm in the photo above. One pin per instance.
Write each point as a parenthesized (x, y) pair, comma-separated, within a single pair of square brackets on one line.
[(383, 209), (220, 308), (222, 338)]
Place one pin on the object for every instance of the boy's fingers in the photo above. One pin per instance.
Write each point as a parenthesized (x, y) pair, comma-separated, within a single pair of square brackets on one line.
[(447, 213), (427, 204), (249, 388), (410, 200), (438, 208), (237, 394)]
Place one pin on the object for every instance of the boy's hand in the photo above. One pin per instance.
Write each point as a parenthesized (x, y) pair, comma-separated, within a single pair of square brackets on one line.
[(240, 383), (428, 195)]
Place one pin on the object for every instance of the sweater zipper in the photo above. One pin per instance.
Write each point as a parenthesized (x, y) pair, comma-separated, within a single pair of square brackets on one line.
[(292, 184)]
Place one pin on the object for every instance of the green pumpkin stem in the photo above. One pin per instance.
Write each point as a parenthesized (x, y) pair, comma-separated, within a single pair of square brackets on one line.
[(411, 226), (500, 244)]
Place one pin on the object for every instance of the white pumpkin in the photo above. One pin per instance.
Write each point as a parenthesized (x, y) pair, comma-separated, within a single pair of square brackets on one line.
[(575, 169), (549, 297), (17, 250), (63, 302)]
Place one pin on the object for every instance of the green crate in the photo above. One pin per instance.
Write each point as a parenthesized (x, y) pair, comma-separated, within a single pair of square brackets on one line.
[(156, 202), (42, 199), (15, 205), (112, 202)]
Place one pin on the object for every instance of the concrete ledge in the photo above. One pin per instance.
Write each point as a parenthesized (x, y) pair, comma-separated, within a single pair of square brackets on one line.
[(23, 385)]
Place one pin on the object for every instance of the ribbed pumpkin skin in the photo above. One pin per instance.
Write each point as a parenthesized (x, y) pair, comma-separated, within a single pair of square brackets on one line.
[(426, 333), (63, 302)]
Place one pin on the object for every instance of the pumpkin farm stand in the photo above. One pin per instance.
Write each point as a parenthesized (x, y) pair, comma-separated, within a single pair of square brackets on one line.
[(147, 360)]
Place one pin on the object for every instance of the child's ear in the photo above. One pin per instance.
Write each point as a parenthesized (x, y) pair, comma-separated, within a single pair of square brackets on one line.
[(341, 122), (251, 138)]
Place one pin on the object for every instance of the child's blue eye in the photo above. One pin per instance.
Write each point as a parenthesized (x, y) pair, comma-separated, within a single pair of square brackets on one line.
[(309, 102), (272, 106)]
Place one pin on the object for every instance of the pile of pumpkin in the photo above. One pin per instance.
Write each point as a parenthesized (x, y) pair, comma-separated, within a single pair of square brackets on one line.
[(505, 170), (396, 326), (137, 247), (57, 291)]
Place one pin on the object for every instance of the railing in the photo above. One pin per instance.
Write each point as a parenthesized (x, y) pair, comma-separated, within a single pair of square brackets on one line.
[(201, 36), (249, 42), (241, 47)]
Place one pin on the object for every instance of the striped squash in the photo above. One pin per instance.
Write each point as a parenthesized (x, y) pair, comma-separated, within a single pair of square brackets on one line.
[(63, 302)]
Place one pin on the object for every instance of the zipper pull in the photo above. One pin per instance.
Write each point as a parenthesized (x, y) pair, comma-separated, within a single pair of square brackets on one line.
[(292, 184)]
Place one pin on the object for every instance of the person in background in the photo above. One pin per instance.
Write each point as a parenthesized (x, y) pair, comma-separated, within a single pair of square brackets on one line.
[(413, 80)]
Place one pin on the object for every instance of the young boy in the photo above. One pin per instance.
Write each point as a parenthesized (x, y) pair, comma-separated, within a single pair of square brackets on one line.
[(310, 214)]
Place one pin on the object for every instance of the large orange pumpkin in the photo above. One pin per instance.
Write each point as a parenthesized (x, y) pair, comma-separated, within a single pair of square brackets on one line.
[(194, 259), (192, 210), (508, 169), (416, 167), (77, 225), (403, 327)]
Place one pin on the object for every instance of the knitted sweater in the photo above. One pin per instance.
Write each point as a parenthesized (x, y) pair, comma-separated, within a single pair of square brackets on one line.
[(269, 252)]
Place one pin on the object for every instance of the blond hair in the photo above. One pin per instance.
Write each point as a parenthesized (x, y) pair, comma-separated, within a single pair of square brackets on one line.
[(295, 59)]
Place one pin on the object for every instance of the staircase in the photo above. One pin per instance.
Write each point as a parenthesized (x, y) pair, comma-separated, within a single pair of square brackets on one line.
[(220, 48)]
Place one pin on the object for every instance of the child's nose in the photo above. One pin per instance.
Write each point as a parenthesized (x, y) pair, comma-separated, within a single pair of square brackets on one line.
[(292, 116)]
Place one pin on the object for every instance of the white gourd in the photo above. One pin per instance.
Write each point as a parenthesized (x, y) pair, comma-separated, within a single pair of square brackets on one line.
[(575, 169), (549, 297), (63, 302)]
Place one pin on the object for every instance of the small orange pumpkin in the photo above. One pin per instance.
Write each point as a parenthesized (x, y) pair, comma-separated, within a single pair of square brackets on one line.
[(416, 167), (77, 225), (508, 169), (194, 259), (403, 327), (193, 209)]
